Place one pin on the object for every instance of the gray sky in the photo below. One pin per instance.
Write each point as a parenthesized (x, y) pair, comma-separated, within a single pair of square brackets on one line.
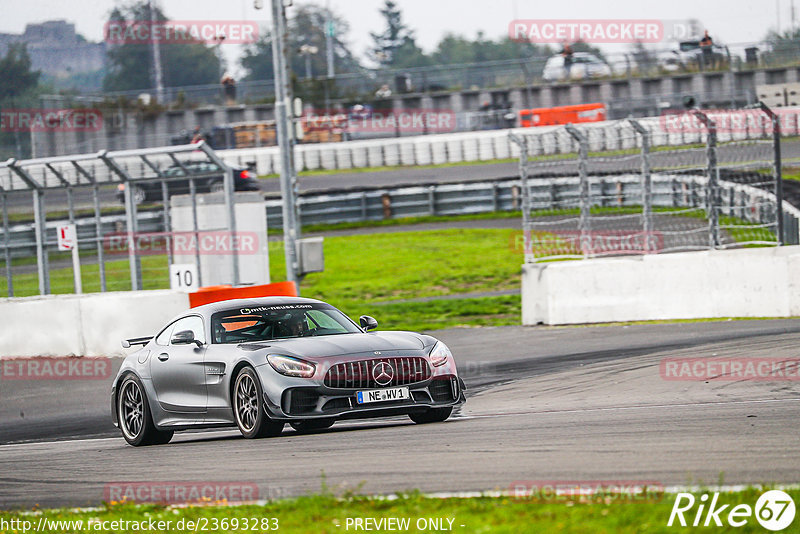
[(729, 21)]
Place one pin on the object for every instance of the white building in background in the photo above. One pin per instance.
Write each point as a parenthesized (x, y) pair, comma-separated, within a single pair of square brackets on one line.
[(56, 50)]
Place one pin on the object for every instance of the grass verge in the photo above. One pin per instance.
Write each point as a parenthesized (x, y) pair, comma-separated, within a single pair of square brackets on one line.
[(327, 514), (364, 270)]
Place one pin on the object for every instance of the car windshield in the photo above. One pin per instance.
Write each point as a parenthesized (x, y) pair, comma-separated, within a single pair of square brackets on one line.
[(281, 321)]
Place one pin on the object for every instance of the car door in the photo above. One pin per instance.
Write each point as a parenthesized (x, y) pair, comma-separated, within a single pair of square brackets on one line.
[(178, 371)]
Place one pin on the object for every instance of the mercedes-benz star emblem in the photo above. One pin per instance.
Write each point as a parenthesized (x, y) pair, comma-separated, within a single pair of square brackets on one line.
[(382, 373)]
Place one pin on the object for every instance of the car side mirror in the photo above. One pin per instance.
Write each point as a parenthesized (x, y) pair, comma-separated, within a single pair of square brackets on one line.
[(367, 322), (185, 337)]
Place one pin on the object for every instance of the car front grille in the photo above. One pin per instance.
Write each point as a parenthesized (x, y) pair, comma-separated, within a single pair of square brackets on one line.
[(405, 370)]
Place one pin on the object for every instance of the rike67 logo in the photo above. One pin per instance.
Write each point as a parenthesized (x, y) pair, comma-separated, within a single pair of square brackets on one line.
[(774, 510)]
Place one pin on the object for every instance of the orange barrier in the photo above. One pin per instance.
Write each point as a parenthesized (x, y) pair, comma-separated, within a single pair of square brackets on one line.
[(562, 115), (207, 295)]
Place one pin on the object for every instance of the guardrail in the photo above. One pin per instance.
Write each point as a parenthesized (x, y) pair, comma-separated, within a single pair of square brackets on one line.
[(669, 190)]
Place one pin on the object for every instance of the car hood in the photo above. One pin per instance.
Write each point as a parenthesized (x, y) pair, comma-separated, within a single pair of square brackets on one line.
[(343, 344)]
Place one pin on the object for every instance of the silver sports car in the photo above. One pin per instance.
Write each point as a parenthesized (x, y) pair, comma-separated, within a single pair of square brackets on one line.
[(261, 363)]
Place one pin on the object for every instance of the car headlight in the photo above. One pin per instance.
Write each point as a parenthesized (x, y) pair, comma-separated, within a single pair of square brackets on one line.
[(439, 354), (289, 366)]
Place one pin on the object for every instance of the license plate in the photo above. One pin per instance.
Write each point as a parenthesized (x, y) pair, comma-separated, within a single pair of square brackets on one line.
[(382, 395)]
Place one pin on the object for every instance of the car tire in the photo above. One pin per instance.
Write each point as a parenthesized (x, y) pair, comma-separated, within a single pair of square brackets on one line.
[(216, 186), (248, 407), (135, 419), (434, 415), (311, 425)]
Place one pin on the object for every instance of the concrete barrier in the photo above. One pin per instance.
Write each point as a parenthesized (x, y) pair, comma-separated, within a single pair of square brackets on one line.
[(84, 325), (759, 282)]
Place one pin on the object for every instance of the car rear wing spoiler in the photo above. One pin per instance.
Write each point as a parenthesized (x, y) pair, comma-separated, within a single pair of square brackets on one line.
[(127, 343)]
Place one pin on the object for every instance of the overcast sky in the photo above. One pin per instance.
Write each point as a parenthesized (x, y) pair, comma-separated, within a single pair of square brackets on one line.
[(729, 21)]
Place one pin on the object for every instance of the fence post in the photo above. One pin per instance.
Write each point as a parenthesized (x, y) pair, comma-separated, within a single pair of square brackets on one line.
[(167, 222), (522, 141), (98, 232), (7, 240), (195, 231), (647, 186), (776, 145), (712, 189), (131, 220), (98, 224), (39, 217), (585, 223)]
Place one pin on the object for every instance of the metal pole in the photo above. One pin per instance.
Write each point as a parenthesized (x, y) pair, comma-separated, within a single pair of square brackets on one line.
[(130, 220), (526, 198), (7, 239), (329, 39), (282, 105), (131, 224), (76, 259), (776, 136), (70, 205), (159, 81), (41, 242), (195, 233), (585, 222), (167, 223), (776, 141), (98, 232), (712, 189), (647, 186), (98, 225), (230, 203), (39, 216)]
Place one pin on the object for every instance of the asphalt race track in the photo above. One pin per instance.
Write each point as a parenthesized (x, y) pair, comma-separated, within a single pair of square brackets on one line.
[(583, 403)]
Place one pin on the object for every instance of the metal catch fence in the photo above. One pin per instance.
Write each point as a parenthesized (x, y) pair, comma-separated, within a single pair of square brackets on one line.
[(636, 198)]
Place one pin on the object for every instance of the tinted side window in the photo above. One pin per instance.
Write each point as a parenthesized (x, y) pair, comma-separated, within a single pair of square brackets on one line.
[(193, 323)]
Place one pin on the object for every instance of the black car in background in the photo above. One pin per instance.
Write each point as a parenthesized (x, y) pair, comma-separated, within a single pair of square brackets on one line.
[(244, 179)]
